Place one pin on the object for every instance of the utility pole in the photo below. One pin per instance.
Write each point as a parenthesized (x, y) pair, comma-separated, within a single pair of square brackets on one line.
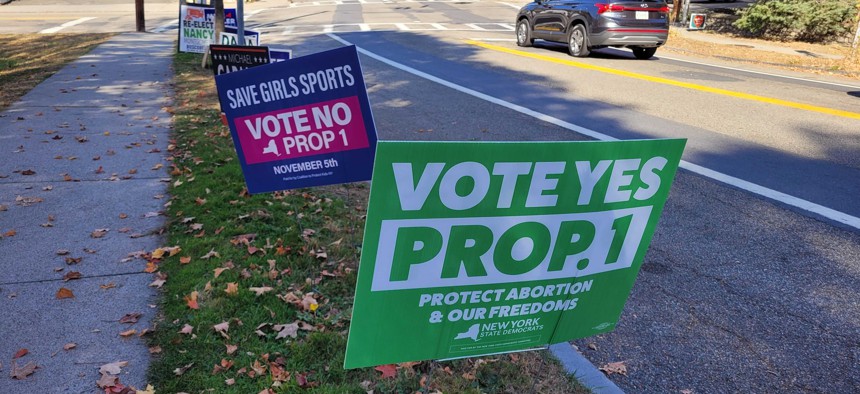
[(240, 21), (138, 16)]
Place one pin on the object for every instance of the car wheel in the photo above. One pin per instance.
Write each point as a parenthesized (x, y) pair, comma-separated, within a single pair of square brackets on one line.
[(524, 33), (643, 53), (577, 41)]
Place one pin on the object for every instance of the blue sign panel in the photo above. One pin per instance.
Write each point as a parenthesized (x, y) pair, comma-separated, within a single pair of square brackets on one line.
[(301, 123)]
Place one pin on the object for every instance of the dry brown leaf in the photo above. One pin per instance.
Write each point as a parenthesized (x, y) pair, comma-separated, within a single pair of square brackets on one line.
[(131, 317), (182, 370), (616, 367), (260, 290), (20, 353), (70, 346), (286, 330), (231, 349), (10, 233), (389, 371), (186, 329), (71, 275), (218, 271), (21, 373), (107, 380), (232, 288), (185, 260), (191, 300), (212, 253), (98, 233), (222, 329), (155, 349), (128, 333), (114, 368), (64, 293)]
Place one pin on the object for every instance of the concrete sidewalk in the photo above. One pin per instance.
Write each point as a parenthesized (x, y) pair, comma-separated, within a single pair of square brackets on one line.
[(83, 151), (756, 45)]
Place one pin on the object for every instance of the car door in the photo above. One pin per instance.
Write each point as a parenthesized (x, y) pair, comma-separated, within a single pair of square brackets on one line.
[(550, 19)]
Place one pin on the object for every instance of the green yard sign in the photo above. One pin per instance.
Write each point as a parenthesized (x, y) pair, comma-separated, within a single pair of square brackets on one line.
[(492, 247)]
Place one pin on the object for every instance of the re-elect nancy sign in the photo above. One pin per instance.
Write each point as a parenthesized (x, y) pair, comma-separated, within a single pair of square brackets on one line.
[(482, 248), (302, 122)]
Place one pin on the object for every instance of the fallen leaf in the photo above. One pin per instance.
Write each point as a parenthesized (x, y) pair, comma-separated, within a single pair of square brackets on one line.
[(191, 300), (160, 279), (218, 271), (212, 253), (185, 260), (232, 288), (128, 333), (10, 233), (20, 353), (182, 370), (616, 367), (64, 293), (389, 371), (222, 328), (131, 317), (28, 172), (98, 233), (21, 373), (155, 349), (309, 303), (70, 346), (71, 275), (149, 390), (123, 216), (228, 382), (107, 380), (286, 330), (73, 260), (114, 368), (186, 329), (231, 349), (63, 252), (260, 290), (106, 286)]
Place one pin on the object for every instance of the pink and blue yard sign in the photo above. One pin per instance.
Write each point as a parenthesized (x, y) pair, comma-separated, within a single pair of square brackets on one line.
[(301, 123)]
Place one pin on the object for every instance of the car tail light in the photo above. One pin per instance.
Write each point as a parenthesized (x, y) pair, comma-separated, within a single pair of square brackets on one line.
[(602, 7)]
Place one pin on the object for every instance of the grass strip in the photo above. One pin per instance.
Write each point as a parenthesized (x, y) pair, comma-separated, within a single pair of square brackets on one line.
[(28, 59), (258, 290)]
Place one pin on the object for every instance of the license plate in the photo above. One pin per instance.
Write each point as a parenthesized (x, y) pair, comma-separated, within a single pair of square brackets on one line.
[(641, 14)]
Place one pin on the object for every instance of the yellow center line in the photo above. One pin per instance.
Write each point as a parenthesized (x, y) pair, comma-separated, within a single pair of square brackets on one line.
[(666, 81)]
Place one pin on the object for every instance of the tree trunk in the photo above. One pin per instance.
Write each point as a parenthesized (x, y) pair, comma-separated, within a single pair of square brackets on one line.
[(219, 18)]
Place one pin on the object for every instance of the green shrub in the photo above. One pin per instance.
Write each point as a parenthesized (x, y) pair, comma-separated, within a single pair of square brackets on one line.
[(804, 20)]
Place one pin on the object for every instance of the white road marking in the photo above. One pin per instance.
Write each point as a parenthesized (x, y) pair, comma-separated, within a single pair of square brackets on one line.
[(507, 26), (67, 24), (475, 27), (514, 6), (287, 30), (808, 206), (402, 26), (760, 72), (439, 26), (364, 26), (328, 28)]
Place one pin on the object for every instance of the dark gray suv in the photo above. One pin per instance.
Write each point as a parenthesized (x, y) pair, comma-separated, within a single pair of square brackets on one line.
[(641, 26)]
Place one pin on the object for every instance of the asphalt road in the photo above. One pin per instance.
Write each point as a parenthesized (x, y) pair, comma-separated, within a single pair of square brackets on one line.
[(739, 292)]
